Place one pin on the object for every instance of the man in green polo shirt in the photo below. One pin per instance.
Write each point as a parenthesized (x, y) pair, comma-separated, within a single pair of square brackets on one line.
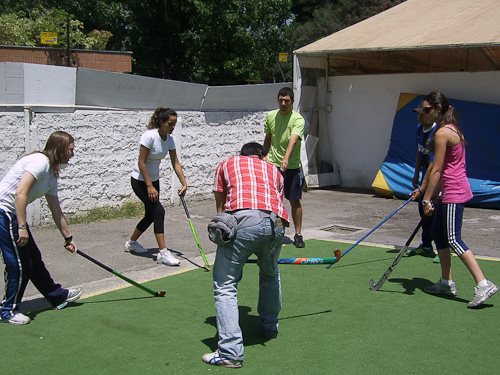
[(284, 130)]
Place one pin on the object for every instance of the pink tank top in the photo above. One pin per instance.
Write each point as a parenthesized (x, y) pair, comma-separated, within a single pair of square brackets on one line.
[(455, 185)]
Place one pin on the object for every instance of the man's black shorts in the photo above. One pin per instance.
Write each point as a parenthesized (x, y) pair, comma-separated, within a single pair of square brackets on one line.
[(293, 184)]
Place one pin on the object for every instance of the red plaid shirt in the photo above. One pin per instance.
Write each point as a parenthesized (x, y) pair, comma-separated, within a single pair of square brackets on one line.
[(250, 183)]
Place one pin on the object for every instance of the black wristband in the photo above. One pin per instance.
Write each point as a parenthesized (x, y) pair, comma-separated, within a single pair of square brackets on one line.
[(67, 240)]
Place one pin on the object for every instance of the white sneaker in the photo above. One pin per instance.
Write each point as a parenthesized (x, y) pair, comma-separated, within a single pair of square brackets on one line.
[(481, 294), (216, 360), (17, 319), (135, 247), (166, 257), (73, 295)]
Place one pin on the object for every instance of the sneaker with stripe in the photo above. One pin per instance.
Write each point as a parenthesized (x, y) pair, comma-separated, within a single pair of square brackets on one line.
[(421, 250), (17, 319), (73, 295), (216, 360)]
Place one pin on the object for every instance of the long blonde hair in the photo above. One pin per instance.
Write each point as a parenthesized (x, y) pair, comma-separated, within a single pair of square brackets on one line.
[(56, 149)]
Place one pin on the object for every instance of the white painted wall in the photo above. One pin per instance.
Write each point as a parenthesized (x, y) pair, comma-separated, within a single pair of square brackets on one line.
[(11, 139), (106, 113), (363, 109), (37, 85), (117, 90), (359, 114), (106, 148), (242, 98), (47, 85), (11, 83)]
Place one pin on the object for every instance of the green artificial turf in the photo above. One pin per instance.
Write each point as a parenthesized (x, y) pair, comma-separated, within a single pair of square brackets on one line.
[(331, 323)]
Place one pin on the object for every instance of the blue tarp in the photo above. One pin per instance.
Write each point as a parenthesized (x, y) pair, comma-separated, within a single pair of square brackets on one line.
[(480, 123)]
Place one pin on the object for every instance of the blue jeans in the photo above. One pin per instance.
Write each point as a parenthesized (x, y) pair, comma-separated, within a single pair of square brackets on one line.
[(264, 240)]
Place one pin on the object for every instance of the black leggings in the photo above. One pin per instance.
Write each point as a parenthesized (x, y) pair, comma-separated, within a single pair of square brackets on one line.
[(154, 211)]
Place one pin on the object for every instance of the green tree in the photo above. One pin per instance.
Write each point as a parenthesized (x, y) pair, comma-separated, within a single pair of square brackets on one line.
[(20, 30), (113, 16), (207, 41), (154, 30), (236, 41)]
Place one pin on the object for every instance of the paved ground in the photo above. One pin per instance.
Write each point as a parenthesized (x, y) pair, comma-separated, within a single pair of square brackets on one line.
[(331, 214)]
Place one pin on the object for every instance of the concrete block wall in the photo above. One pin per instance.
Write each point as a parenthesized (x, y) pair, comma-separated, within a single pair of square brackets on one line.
[(106, 113), (106, 148), (12, 139)]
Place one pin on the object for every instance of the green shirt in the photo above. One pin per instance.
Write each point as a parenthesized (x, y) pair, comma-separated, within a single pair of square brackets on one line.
[(281, 128)]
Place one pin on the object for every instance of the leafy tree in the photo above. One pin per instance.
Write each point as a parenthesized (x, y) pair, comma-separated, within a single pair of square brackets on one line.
[(154, 29), (208, 41), (15, 29), (236, 41)]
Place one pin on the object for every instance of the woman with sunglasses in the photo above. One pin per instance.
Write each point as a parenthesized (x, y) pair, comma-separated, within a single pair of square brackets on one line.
[(447, 175)]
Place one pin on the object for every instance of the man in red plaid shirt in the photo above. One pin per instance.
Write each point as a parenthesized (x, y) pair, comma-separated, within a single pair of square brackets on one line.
[(251, 190)]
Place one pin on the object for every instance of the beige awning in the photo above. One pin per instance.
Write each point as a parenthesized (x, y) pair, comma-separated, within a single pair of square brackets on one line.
[(417, 36)]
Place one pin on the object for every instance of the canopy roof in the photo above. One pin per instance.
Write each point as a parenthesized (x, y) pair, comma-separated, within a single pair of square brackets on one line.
[(416, 36)]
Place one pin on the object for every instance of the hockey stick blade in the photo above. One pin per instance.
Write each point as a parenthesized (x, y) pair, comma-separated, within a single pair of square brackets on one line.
[(389, 270), (123, 277), (395, 262)]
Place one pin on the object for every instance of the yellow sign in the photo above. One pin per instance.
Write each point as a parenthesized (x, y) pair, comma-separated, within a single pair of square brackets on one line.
[(48, 38), (283, 57)]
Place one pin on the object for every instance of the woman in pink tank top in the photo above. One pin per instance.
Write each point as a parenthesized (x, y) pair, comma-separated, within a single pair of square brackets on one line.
[(446, 190)]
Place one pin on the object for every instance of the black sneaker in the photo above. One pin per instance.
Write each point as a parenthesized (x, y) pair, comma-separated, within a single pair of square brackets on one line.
[(298, 241)]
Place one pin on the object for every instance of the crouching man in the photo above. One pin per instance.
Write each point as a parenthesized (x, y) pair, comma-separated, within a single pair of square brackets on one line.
[(251, 190)]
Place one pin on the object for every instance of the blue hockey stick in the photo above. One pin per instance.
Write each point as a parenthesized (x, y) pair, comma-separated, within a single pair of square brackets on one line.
[(373, 230)]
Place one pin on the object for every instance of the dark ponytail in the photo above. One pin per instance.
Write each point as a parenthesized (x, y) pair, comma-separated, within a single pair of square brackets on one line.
[(447, 114), (160, 115)]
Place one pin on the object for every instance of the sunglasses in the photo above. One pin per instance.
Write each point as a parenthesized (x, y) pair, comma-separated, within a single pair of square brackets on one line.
[(426, 109)]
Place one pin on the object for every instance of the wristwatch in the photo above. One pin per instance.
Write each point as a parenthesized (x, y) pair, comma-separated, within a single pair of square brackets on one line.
[(425, 203)]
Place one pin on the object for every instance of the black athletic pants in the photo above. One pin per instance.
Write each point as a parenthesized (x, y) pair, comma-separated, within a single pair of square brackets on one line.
[(154, 211)]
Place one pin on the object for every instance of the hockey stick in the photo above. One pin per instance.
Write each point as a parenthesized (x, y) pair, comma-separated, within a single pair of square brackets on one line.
[(395, 262), (373, 230), (134, 283), (306, 260), (206, 266)]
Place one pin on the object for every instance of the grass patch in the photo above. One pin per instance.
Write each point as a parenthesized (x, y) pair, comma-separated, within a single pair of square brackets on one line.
[(100, 214), (331, 323)]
